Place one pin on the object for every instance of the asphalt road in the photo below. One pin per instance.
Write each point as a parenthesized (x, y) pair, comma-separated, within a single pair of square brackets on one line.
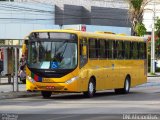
[(143, 99)]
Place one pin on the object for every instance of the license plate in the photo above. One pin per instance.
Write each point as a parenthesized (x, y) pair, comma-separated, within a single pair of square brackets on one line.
[(50, 87)]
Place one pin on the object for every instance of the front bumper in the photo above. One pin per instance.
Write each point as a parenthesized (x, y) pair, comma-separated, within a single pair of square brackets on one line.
[(57, 87)]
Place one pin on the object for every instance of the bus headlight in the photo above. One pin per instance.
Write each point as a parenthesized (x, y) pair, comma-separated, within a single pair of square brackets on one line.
[(71, 80), (30, 79)]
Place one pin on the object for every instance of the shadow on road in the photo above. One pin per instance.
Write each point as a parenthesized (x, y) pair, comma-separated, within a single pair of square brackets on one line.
[(132, 96)]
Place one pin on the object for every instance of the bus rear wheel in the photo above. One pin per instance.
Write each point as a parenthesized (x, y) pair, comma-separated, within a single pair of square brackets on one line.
[(125, 89), (46, 94), (91, 89)]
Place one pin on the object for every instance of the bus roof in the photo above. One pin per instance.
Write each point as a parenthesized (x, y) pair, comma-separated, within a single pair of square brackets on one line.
[(98, 35)]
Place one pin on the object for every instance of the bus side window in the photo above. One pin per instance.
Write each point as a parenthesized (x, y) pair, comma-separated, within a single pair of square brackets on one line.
[(142, 50), (93, 51), (120, 49), (115, 49), (138, 51), (123, 49), (135, 50), (127, 50), (109, 49), (101, 51), (145, 51), (83, 52), (131, 51)]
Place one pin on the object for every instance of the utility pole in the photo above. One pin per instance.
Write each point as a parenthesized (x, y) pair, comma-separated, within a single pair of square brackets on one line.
[(15, 82), (153, 42)]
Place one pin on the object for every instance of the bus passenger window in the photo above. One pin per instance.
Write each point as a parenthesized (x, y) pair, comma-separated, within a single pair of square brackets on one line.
[(83, 52), (123, 50), (119, 49), (138, 51), (101, 51), (131, 51), (115, 49), (92, 48), (109, 49), (142, 50), (135, 50), (127, 50)]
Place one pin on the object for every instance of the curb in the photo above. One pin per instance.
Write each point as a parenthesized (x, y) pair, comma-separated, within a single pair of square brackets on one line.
[(153, 76), (21, 94)]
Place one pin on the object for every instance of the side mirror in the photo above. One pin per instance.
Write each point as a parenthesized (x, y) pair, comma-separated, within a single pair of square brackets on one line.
[(84, 50), (24, 47)]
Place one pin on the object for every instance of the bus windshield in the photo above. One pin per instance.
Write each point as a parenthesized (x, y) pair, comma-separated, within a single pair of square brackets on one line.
[(52, 54)]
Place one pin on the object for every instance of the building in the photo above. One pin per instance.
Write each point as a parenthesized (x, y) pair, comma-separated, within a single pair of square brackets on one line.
[(19, 17), (151, 9), (90, 12), (16, 21)]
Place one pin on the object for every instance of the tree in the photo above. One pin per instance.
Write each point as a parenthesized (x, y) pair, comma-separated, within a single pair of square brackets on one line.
[(157, 46), (157, 40), (140, 29), (136, 10), (157, 33), (157, 27)]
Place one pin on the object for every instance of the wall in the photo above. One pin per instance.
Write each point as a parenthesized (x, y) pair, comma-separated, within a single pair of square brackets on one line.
[(19, 19), (97, 16), (109, 16), (86, 3), (115, 12)]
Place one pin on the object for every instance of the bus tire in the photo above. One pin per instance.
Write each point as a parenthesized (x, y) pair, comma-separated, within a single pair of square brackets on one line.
[(46, 94), (91, 89), (125, 89)]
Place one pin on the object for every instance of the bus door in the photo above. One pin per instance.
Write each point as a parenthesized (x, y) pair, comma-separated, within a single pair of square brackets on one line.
[(83, 58)]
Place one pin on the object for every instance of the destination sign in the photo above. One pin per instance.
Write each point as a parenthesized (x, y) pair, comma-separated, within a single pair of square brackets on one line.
[(53, 35)]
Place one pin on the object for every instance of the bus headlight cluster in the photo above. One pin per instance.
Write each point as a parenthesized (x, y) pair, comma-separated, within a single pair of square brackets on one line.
[(30, 79), (71, 80)]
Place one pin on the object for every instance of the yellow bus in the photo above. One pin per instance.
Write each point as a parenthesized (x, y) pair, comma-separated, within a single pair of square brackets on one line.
[(83, 62)]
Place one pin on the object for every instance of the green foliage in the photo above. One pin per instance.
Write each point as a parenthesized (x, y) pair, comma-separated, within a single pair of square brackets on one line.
[(136, 16), (157, 38), (136, 4), (157, 27), (152, 74), (157, 48), (140, 29), (158, 70)]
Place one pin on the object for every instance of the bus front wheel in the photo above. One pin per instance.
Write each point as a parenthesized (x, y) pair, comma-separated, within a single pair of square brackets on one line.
[(126, 87), (91, 89), (46, 94)]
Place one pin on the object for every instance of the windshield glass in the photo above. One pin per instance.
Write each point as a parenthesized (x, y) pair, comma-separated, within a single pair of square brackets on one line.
[(55, 54)]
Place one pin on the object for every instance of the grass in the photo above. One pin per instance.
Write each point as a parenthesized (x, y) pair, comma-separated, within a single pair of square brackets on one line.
[(152, 74)]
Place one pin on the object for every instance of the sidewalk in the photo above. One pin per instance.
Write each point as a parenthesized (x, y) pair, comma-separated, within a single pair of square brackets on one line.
[(157, 74), (6, 90), (20, 94)]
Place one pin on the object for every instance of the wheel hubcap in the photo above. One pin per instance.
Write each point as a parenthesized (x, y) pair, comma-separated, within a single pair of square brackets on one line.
[(127, 85), (91, 87)]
